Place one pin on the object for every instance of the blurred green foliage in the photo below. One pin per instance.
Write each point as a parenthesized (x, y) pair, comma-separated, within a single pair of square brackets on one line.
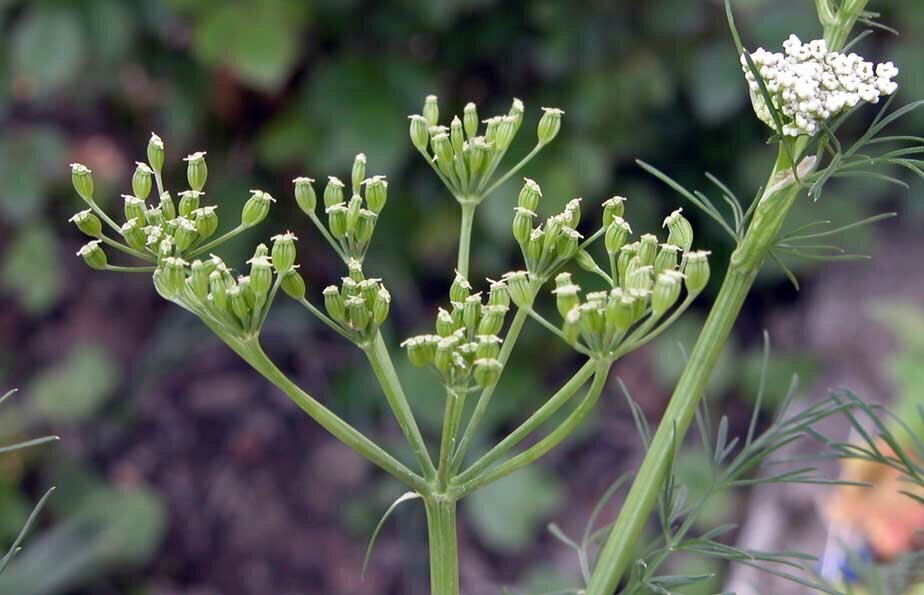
[(275, 88), (906, 320), (75, 387)]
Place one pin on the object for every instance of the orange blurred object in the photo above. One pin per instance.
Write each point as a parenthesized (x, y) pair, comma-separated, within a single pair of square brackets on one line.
[(891, 522)]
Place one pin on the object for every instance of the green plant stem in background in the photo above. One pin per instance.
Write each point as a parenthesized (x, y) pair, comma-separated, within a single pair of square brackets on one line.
[(776, 201), (444, 551), (378, 356)]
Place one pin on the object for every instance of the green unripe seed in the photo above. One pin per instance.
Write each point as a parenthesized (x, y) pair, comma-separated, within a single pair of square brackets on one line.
[(189, 202), (185, 233), (333, 192), (522, 224), (133, 235), (206, 221), (586, 261), (680, 232), (470, 120), (566, 298), (456, 135), (141, 180), (666, 259), (568, 243), (88, 223), (612, 208), (156, 153), (359, 314), (471, 312), (431, 110), (521, 291), (358, 173), (376, 193), (534, 247), (337, 220), (445, 324), (198, 281), (529, 195), (696, 271), (284, 252), (549, 124), (305, 196), (167, 207), (617, 232), (647, 249), (196, 170), (261, 275), (487, 371), (381, 306), (93, 255), (293, 284), (173, 271), (488, 346), (334, 303), (256, 208), (499, 295), (134, 207), (420, 135), (666, 292), (620, 312)]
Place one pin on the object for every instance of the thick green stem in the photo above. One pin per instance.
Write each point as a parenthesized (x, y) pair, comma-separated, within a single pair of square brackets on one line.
[(378, 356), (465, 235), (619, 550), (444, 549)]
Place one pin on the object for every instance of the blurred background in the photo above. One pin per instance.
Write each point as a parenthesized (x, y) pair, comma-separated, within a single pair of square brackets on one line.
[(181, 471)]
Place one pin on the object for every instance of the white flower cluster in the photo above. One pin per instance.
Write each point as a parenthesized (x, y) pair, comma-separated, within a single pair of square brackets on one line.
[(809, 84)]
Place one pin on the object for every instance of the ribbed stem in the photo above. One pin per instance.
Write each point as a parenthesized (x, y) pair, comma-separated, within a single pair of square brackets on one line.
[(465, 235), (619, 550), (444, 555)]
